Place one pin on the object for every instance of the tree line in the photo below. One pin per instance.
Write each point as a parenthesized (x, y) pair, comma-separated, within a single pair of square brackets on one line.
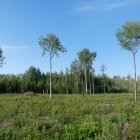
[(69, 82)]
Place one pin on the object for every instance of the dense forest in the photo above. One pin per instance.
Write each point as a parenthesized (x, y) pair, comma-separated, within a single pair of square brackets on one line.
[(72, 81)]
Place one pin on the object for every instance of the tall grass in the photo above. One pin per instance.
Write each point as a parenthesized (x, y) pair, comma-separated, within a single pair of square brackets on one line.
[(69, 117)]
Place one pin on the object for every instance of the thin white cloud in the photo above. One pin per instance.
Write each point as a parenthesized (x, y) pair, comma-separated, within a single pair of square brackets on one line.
[(104, 5), (11, 47), (16, 49)]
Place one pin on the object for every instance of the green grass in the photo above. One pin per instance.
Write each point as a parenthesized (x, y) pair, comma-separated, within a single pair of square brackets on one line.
[(69, 117)]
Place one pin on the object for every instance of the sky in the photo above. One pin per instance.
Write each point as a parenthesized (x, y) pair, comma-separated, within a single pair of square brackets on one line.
[(79, 24)]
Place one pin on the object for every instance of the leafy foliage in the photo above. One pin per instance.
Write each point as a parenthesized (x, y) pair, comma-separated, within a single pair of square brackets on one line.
[(129, 36), (51, 44), (1, 58)]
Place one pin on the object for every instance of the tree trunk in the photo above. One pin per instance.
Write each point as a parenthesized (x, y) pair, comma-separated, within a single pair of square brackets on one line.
[(67, 91), (77, 87), (108, 89), (93, 85), (104, 86), (67, 84), (135, 81), (86, 77), (90, 88), (89, 83), (50, 77)]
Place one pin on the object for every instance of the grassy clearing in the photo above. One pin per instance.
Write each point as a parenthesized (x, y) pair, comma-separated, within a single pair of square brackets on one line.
[(69, 117)]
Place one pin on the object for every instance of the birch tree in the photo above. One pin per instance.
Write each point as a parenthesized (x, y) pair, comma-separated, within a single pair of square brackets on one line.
[(86, 59), (93, 86), (1, 57), (50, 43), (128, 37), (75, 72), (67, 79), (103, 69)]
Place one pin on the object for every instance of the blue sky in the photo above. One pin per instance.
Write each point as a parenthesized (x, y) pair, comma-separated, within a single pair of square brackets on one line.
[(78, 23)]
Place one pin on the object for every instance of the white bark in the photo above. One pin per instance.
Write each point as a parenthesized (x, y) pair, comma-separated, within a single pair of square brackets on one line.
[(93, 86), (50, 77), (86, 78), (77, 87), (89, 83), (135, 81)]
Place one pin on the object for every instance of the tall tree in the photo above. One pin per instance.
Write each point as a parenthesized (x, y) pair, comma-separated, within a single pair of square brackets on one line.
[(93, 84), (103, 69), (51, 44), (129, 38), (67, 80), (86, 59), (1, 57), (33, 74), (75, 73)]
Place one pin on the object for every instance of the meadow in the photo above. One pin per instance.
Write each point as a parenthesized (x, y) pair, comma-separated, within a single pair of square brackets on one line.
[(69, 117)]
